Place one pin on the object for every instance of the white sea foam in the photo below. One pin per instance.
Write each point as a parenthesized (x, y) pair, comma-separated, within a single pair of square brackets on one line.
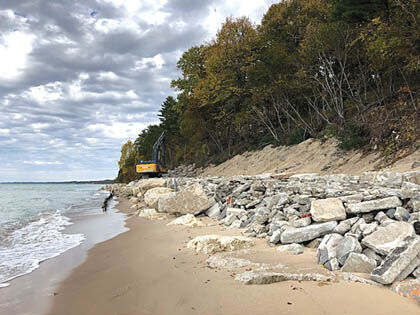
[(23, 250)]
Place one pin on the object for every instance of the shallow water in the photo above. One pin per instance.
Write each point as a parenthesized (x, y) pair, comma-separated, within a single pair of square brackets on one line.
[(33, 218)]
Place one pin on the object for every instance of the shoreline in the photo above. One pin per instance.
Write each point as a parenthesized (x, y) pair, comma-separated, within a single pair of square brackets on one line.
[(33, 293), (149, 270)]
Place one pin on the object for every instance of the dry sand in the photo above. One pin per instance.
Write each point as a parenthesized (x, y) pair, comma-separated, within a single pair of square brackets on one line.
[(310, 156), (149, 270)]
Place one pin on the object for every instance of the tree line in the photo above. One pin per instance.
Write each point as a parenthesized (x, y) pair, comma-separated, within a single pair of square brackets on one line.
[(311, 68)]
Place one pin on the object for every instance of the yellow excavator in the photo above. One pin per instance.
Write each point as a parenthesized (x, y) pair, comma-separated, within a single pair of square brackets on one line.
[(157, 166)]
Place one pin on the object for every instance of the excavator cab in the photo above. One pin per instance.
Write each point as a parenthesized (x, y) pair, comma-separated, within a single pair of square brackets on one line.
[(157, 166)]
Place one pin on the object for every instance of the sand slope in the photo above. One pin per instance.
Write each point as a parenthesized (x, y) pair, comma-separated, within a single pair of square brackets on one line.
[(310, 156)]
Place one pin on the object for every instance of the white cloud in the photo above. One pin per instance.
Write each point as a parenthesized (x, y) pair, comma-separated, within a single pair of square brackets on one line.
[(43, 162), (14, 50), (119, 130), (4, 131)]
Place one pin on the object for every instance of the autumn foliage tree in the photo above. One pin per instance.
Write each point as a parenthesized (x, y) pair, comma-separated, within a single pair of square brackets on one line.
[(311, 68)]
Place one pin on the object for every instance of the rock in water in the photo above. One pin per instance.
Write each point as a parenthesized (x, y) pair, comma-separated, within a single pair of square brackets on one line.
[(210, 244), (151, 197), (396, 262), (330, 209), (307, 233), (373, 205), (385, 239), (188, 220), (191, 200)]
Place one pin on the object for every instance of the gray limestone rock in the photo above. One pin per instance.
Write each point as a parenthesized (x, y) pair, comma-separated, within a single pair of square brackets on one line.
[(327, 249), (401, 214), (330, 209), (368, 229), (373, 255), (373, 205), (416, 273), (396, 262), (332, 264), (275, 238), (385, 239), (359, 263), (251, 277), (346, 246), (214, 211), (301, 222), (307, 233), (410, 268), (295, 249)]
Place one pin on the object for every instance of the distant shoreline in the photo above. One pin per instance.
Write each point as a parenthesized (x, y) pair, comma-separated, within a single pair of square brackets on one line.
[(105, 181)]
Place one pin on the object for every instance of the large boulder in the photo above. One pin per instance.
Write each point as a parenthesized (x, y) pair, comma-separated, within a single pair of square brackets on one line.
[(385, 239), (307, 233), (347, 245), (192, 200), (145, 184), (151, 197), (210, 244), (327, 250), (330, 209), (373, 205), (397, 261), (359, 263)]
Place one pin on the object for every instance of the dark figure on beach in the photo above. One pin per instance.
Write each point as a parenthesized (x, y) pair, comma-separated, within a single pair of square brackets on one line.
[(105, 205)]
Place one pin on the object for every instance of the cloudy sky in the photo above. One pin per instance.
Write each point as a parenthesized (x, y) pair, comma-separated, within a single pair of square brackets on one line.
[(78, 78)]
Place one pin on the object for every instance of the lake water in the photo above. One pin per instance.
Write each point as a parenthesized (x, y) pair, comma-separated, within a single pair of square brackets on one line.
[(33, 218)]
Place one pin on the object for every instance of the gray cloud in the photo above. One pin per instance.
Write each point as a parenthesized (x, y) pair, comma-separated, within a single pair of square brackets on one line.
[(94, 75)]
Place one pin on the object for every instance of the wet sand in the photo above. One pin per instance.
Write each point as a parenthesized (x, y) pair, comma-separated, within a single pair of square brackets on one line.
[(149, 270)]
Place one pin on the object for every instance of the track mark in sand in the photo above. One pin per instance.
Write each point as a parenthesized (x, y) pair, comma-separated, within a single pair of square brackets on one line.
[(121, 291)]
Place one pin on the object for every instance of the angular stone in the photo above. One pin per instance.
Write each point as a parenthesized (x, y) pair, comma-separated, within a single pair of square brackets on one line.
[(346, 246), (236, 211), (146, 184), (368, 229), (410, 268), (408, 288), (401, 214), (302, 222), (355, 278), (192, 200), (188, 220), (214, 211), (251, 277), (151, 197), (416, 273), (330, 209), (332, 265), (295, 249), (210, 244), (275, 238), (374, 205), (327, 249), (307, 233), (344, 226), (373, 255), (359, 263), (397, 261), (385, 239)]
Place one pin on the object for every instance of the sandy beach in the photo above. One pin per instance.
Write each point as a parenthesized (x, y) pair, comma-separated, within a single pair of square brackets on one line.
[(149, 270)]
